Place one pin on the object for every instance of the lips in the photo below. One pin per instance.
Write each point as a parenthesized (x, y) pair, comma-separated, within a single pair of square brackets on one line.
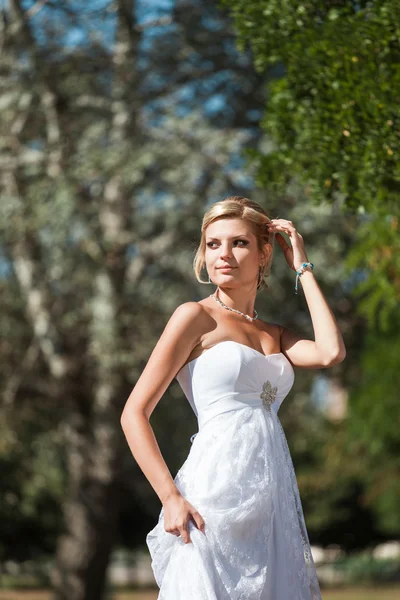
[(227, 268)]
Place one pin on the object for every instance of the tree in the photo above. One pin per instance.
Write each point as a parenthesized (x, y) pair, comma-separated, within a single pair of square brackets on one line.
[(330, 120), (104, 170), (331, 116), (111, 145)]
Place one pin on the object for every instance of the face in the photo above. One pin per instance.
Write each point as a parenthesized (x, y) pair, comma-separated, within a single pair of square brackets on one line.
[(231, 242)]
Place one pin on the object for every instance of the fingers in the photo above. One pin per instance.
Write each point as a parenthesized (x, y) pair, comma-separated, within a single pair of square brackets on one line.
[(285, 226), (179, 514), (198, 519), (281, 240), (185, 533), (277, 225), (182, 529), (281, 225)]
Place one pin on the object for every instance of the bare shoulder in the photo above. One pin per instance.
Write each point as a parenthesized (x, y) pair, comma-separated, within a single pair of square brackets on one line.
[(185, 326), (181, 334), (273, 329), (189, 319), (188, 311)]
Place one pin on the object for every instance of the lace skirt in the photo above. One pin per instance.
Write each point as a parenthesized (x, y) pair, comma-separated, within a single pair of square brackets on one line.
[(239, 475)]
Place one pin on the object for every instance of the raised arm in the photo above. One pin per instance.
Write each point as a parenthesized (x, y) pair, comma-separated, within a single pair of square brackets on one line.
[(328, 347)]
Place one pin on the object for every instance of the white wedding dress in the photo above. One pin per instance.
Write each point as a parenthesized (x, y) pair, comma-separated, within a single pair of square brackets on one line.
[(240, 477)]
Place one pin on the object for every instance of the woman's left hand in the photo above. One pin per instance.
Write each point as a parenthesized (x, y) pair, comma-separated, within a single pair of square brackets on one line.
[(295, 255)]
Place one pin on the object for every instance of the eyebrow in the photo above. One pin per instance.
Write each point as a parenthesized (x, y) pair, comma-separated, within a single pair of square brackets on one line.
[(234, 237)]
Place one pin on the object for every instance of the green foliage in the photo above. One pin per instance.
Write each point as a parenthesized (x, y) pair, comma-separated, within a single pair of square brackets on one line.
[(373, 426), (331, 125), (332, 113), (32, 483), (375, 256)]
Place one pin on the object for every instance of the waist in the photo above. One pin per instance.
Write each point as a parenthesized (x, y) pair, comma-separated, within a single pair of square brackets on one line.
[(228, 403)]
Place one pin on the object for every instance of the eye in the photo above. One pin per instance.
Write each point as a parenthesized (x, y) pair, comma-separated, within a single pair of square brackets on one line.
[(245, 242)]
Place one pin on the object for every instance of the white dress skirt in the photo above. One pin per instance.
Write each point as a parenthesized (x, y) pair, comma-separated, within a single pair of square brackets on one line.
[(239, 475)]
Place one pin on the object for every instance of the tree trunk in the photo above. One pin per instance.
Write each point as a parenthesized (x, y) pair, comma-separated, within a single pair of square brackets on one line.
[(91, 509)]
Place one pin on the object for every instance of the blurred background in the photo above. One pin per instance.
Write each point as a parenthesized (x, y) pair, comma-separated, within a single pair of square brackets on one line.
[(120, 123)]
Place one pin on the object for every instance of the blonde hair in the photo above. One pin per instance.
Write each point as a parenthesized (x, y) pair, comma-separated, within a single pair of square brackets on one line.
[(237, 207)]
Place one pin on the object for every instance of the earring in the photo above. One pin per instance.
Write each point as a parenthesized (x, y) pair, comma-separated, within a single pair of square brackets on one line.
[(209, 280), (259, 274)]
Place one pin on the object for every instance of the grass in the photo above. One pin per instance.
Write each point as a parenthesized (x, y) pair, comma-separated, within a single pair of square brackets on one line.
[(367, 593), (349, 594)]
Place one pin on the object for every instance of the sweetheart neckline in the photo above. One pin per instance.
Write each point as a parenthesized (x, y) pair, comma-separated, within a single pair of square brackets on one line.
[(230, 342)]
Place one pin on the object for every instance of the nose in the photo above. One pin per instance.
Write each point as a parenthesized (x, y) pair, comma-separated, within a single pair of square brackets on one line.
[(226, 251)]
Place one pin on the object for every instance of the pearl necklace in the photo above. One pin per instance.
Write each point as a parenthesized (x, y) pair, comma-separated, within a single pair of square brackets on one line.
[(234, 309)]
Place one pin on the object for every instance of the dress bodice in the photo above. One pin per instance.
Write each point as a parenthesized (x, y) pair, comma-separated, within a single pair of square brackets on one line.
[(230, 375)]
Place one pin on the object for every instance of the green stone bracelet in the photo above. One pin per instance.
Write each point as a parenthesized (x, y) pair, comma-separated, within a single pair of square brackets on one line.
[(300, 272)]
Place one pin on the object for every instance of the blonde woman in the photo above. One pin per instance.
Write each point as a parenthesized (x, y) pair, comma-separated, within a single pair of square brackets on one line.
[(231, 526)]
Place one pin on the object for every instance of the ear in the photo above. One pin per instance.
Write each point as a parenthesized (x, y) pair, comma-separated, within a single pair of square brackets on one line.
[(266, 252)]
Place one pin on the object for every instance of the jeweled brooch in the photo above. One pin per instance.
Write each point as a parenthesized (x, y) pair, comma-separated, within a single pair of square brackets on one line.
[(268, 394)]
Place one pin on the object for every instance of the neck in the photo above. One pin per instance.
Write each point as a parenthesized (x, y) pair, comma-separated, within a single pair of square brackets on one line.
[(238, 299)]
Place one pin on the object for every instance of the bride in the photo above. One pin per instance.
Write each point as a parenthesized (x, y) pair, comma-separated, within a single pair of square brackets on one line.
[(231, 526)]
